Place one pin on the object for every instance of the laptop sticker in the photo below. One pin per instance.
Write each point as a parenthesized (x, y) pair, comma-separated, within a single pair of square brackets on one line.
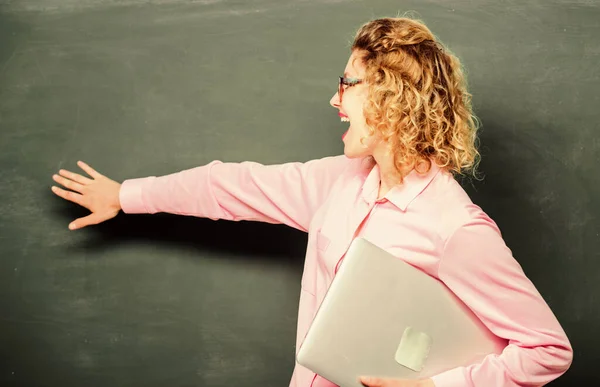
[(413, 349)]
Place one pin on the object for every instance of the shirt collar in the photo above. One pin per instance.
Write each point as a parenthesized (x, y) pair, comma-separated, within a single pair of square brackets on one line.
[(403, 194)]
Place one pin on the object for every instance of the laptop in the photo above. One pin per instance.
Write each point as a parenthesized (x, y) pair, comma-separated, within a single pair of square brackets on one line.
[(383, 317)]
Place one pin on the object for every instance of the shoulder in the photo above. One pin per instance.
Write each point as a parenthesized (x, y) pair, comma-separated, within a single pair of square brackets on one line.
[(343, 167), (446, 201), (336, 162)]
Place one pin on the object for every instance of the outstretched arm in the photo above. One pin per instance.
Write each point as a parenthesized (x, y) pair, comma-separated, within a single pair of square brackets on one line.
[(286, 193)]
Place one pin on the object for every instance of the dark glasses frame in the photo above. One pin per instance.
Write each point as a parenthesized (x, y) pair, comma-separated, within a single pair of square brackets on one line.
[(348, 82)]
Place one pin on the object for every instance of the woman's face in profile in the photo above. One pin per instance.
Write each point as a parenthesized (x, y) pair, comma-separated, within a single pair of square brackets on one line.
[(350, 106)]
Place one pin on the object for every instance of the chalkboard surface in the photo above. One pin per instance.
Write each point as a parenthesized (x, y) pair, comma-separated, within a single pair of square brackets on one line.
[(139, 88)]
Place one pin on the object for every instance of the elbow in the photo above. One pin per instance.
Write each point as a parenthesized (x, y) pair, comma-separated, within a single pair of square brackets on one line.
[(559, 358), (566, 358), (566, 354), (551, 362)]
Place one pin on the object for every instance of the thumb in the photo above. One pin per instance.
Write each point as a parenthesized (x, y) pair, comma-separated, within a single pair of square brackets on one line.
[(372, 381), (86, 221)]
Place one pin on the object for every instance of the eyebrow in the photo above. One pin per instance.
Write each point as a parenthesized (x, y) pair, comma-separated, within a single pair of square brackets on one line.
[(346, 75)]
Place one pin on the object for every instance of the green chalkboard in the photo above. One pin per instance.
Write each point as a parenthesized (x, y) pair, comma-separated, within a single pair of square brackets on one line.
[(138, 88)]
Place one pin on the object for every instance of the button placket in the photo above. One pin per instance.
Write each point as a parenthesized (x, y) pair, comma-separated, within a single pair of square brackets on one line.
[(355, 231)]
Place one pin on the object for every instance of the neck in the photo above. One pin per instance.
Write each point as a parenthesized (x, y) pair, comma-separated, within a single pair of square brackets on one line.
[(388, 175)]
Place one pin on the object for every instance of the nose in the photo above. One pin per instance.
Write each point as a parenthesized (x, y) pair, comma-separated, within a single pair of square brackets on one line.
[(335, 100)]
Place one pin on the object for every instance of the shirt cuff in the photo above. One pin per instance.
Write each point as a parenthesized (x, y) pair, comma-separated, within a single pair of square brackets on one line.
[(130, 196), (451, 378)]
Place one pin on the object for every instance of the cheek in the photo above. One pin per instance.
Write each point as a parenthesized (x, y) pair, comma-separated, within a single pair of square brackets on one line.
[(358, 122), (354, 109)]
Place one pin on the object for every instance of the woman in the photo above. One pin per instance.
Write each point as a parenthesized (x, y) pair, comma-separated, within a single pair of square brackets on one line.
[(411, 129)]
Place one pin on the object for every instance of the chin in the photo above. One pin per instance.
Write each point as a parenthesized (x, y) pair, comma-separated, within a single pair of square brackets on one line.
[(353, 153)]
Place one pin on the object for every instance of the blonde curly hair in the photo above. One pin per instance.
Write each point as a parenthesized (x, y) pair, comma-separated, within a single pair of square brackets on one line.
[(417, 102)]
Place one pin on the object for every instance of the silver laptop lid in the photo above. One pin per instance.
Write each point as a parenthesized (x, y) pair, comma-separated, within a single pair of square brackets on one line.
[(384, 317)]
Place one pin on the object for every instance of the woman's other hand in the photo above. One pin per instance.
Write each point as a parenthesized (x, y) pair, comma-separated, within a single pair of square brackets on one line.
[(100, 194), (381, 382)]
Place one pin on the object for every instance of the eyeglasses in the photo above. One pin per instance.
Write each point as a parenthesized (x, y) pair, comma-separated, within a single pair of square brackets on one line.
[(345, 83)]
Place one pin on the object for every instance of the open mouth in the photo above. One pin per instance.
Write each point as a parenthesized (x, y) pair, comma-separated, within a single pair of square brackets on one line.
[(344, 118)]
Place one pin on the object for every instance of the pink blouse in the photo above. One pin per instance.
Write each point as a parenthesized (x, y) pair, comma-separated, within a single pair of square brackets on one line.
[(428, 221)]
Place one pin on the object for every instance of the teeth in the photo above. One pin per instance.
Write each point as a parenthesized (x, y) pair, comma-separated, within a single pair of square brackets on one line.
[(344, 119)]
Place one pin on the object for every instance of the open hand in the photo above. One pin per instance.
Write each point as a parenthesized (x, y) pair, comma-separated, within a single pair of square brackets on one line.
[(381, 382), (100, 194)]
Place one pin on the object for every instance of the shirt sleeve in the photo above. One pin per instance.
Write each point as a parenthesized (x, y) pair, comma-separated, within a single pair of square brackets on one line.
[(287, 193), (480, 269)]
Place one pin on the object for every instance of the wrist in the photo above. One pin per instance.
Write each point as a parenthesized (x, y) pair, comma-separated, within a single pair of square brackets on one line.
[(426, 383)]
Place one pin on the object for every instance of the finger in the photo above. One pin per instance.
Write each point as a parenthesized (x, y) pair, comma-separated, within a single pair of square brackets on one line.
[(68, 183), (68, 195), (75, 177), (86, 221), (89, 170), (372, 381)]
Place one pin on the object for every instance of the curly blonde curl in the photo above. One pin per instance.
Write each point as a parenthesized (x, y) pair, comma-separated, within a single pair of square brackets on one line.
[(418, 102)]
